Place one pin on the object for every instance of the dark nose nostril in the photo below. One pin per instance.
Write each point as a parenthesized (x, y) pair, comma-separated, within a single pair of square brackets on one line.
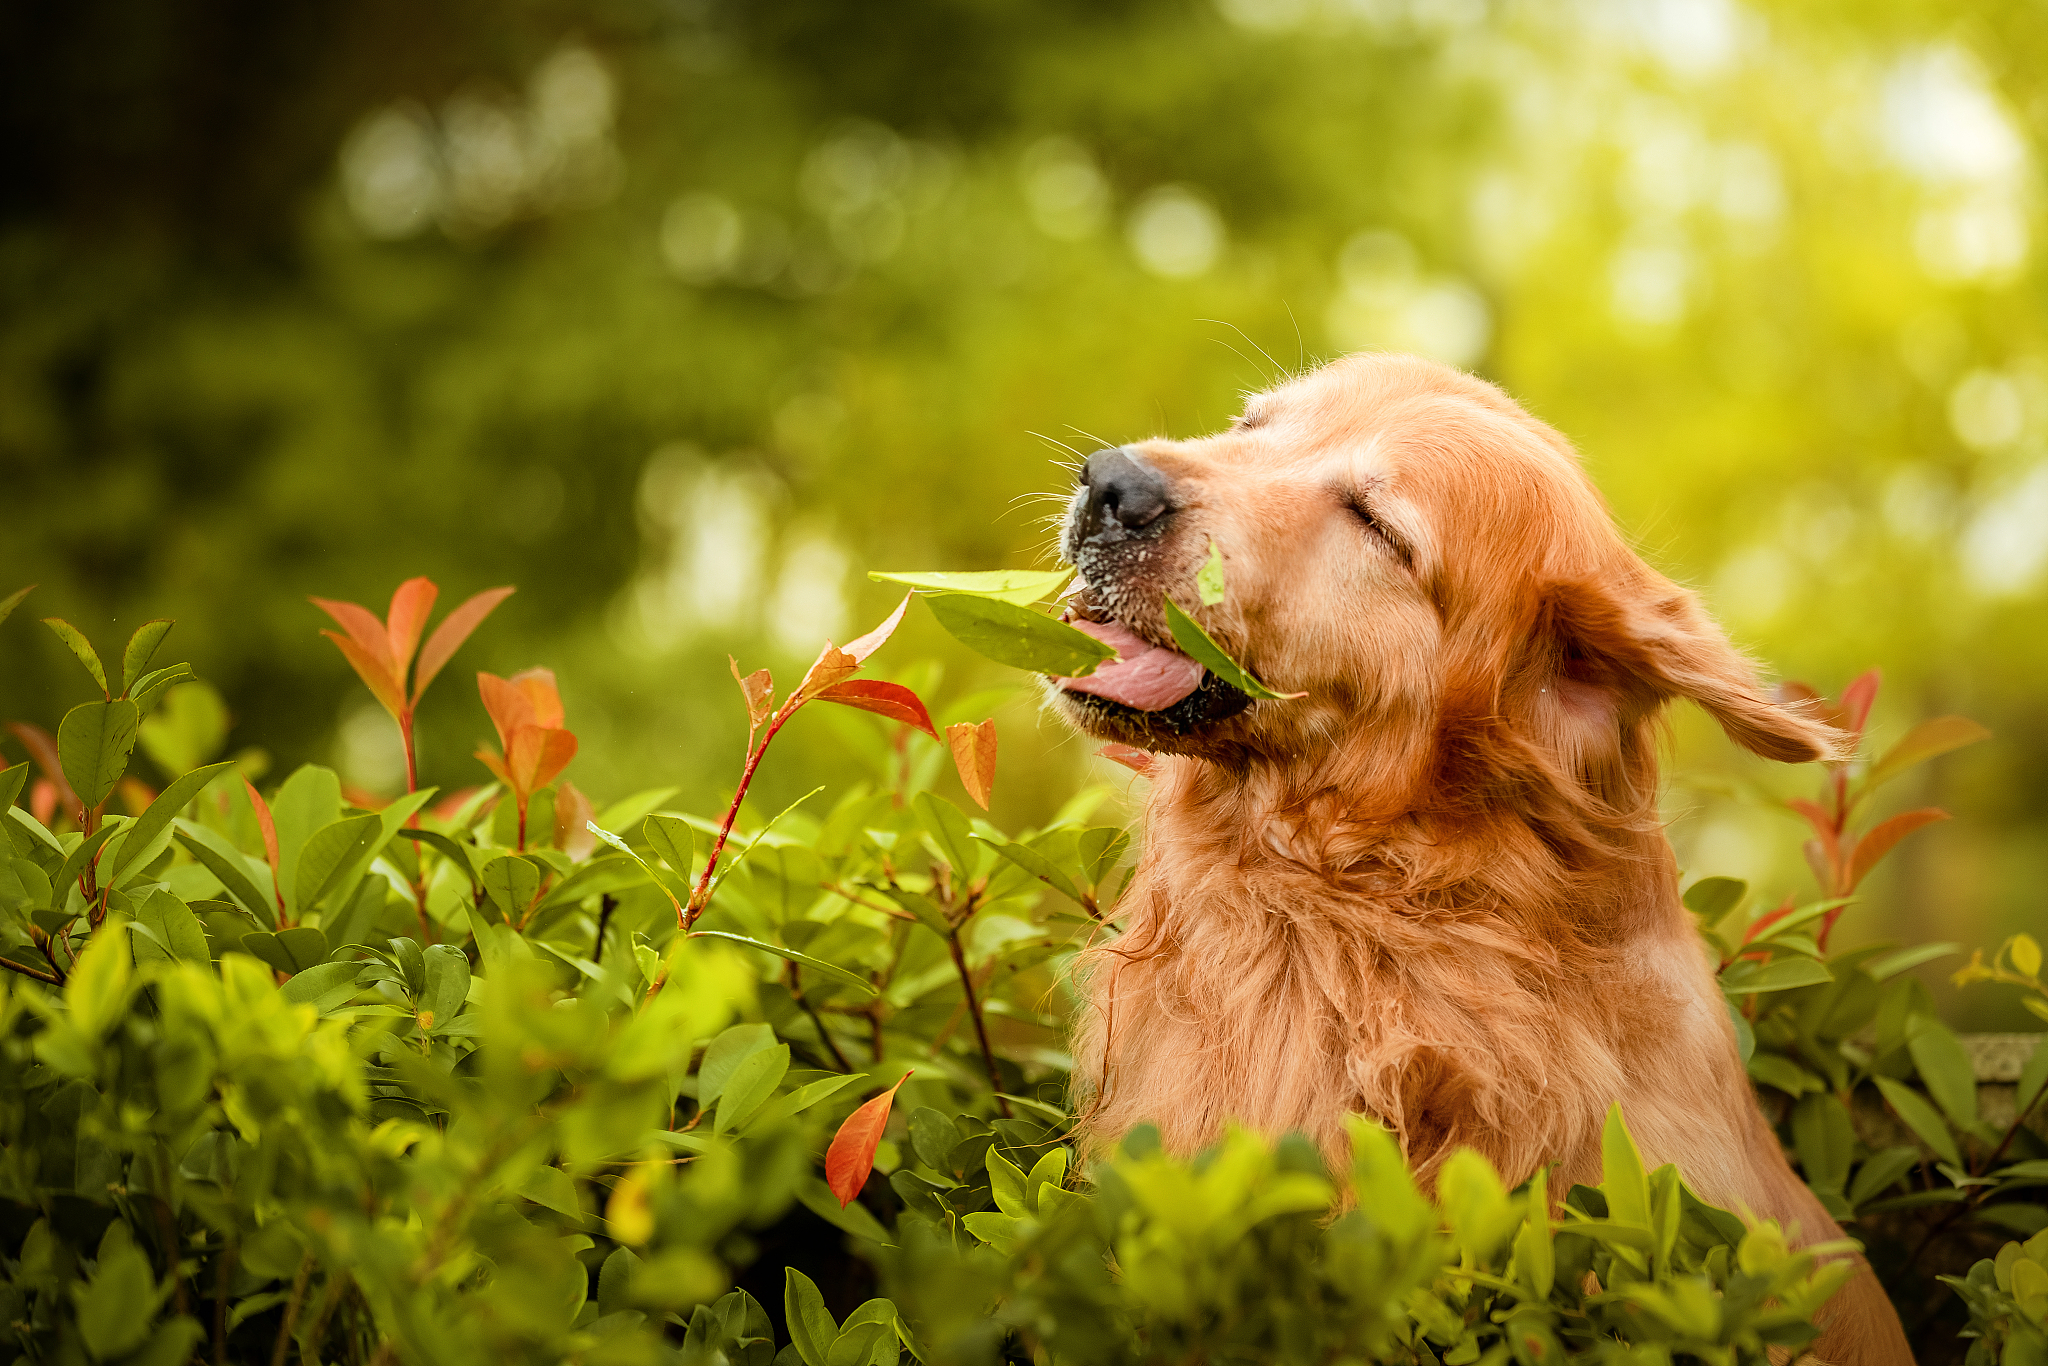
[(1124, 489)]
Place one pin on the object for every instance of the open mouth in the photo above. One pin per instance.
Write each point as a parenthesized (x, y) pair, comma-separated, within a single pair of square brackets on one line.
[(1146, 686)]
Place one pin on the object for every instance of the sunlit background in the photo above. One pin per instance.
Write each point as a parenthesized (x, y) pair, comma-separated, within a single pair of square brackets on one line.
[(681, 314)]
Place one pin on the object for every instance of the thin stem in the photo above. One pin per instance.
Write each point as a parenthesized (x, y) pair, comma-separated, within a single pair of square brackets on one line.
[(37, 973), (291, 1310), (995, 1078), (796, 989), (522, 823), (700, 895), (412, 768), (2018, 1120)]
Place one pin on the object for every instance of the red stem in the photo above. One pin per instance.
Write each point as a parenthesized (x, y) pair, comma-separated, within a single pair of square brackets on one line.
[(700, 895)]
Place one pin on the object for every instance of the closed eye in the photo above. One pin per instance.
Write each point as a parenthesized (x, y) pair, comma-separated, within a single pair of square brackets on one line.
[(1360, 506)]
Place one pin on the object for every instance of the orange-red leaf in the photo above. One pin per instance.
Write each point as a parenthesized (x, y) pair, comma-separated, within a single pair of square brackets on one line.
[(541, 694), (269, 829), (1856, 700), (557, 748), (362, 627), (866, 645), (42, 747), (496, 765), (573, 814), (892, 700), (831, 666), (1135, 759), (411, 601), (453, 630), (852, 1154), (1879, 839), (511, 710), (974, 754), (375, 672), (1823, 824), (758, 688), (1770, 918)]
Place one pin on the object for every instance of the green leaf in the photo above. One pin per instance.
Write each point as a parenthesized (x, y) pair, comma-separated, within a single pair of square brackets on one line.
[(1622, 1179), (141, 646), (653, 875), (674, 840), (1923, 1119), (327, 855), (1020, 586), (1006, 1185), (324, 986), (1535, 1257), (1775, 1069), (228, 864), (93, 744), (97, 991), (928, 912), (725, 1053), (152, 684), (1893, 964), (289, 951), (749, 1087), (116, 1307), (80, 857), (553, 1188), (1925, 741), (1038, 865), (1711, 898), (178, 933), (455, 851), (949, 828), (1825, 1140), (447, 984), (1196, 644), (812, 1329), (1209, 578), (803, 1098), (512, 882), (817, 965), (854, 1218), (152, 829), (75, 640), (1880, 1173), (11, 782), (1782, 974), (1018, 636), (1945, 1068), (13, 600)]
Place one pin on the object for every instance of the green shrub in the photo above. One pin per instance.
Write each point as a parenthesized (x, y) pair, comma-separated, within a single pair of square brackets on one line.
[(496, 1076)]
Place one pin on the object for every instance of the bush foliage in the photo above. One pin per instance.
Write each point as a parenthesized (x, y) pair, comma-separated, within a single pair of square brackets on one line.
[(500, 1075)]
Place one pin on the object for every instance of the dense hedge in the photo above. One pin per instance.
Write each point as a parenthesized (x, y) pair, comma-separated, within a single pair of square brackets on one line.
[(496, 1076)]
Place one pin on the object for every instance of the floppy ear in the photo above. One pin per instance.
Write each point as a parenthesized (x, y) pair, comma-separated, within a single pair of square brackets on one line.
[(1646, 639)]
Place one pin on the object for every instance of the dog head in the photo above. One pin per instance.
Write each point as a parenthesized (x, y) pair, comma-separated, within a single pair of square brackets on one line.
[(1422, 558)]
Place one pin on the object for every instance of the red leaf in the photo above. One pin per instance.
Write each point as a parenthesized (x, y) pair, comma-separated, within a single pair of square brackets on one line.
[(831, 666), (759, 689), (375, 673), (362, 627), (511, 710), (852, 1154), (974, 754), (269, 829), (410, 604), (449, 635), (866, 645), (892, 700), (1136, 760), (1879, 839), (1856, 700), (1830, 843), (557, 748), (42, 747)]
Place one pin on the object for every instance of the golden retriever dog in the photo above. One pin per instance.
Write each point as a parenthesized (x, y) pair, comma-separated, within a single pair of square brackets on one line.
[(1434, 889)]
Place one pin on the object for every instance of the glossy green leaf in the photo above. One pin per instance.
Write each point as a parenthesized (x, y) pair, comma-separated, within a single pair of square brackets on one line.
[(141, 646), (447, 969), (81, 857), (1781, 974), (1020, 586), (749, 1087), (75, 641), (327, 855), (1712, 898), (1824, 1139), (951, 831), (725, 1053), (12, 780), (511, 882), (1197, 645), (93, 744), (673, 839), (176, 932), (1038, 865), (1944, 1067), (228, 864), (152, 829), (1892, 965), (803, 960), (1923, 1119), (812, 1329), (1018, 636), (463, 856)]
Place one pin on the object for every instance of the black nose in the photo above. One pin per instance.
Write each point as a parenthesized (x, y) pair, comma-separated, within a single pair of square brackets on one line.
[(1125, 494)]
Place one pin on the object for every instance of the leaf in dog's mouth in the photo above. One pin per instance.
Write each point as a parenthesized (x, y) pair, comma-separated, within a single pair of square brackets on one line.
[(990, 613)]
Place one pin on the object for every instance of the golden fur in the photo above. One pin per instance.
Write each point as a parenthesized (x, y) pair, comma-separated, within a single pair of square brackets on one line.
[(1435, 889)]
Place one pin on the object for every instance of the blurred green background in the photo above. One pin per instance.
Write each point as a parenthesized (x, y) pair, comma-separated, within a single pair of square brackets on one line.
[(679, 314)]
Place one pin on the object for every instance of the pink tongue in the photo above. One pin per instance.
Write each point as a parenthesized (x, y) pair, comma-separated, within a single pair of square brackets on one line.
[(1142, 675)]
